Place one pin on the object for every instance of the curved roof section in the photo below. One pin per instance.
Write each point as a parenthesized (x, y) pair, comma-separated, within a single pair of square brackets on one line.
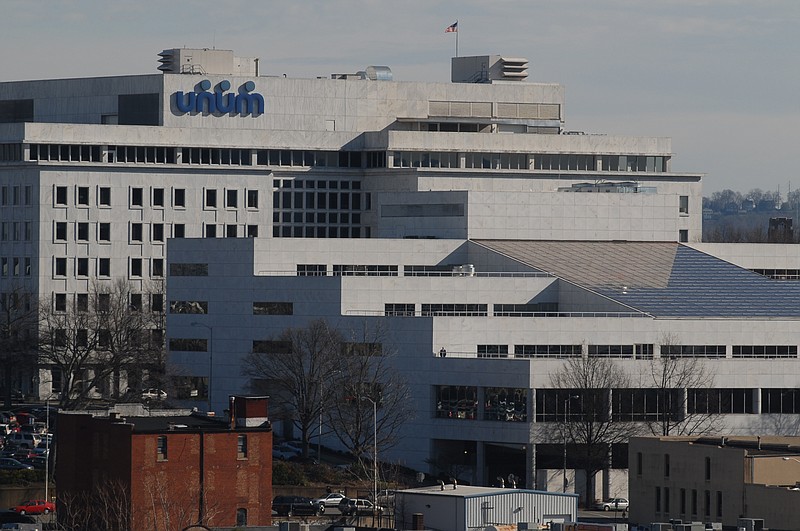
[(664, 279)]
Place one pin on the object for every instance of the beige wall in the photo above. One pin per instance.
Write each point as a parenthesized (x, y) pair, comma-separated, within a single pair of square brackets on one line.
[(731, 472)]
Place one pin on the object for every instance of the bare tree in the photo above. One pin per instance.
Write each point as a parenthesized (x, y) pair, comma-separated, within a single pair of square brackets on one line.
[(585, 386), (107, 505), (368, 385), (92, 340), (298, 366), (17, 338), (672, 376)]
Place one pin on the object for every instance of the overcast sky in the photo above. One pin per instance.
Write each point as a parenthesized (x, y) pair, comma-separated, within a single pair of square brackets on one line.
[(720, 77)]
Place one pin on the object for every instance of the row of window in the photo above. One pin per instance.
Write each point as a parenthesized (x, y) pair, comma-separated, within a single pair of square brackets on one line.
[(320, 201), (189, 155), (637, 351), (102, 339), (162, 447), (618, 405), (15, 266), (319, 231), (16, 195), (16, 231), (335, 159), (10, 152), (682, 500), (229, 198), (101, 267), (102, 302), (157, 232)]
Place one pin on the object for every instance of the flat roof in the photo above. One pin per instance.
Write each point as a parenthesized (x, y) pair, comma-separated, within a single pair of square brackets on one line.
[(467, 491)]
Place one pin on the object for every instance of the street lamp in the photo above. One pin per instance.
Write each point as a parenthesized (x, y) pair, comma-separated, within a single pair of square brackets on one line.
[(374, 449), (567, 403), (210, 361)]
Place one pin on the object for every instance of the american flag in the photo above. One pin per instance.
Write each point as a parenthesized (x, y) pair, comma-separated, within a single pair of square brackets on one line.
[(452, 27)]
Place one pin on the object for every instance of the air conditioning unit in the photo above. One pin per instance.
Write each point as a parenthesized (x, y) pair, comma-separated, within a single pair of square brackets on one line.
[(750, 524)]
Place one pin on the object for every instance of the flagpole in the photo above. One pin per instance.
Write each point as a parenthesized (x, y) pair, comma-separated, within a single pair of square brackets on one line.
[(456, 40)]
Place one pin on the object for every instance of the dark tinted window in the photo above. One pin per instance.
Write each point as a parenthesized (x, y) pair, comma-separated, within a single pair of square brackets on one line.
[(138, 109), (12, 111)]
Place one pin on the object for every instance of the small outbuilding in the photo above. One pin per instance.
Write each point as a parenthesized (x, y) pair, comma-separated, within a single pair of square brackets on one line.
[(461, 508)]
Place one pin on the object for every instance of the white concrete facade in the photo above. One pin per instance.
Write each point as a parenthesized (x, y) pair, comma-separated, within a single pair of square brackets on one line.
[(241, 272)]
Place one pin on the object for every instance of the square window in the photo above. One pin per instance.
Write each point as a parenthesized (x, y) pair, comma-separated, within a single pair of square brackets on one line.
[(83, 195), (83, 232), (61, 231), (136, 232), (211, 231), (136, 302), (82, 302), (137, 197), (61, 195), (158, 197), (82, 267), (158, 267), (104, 232), (104, 267), (252, 231), (179, 230), (104, 196), (211, 199), (232, 198), (252, 199), (230, 231), (158, 232), (136, 267), (61, 267), (179, 197)]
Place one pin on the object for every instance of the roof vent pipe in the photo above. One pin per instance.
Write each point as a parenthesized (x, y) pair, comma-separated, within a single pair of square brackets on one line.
[(441, 484)]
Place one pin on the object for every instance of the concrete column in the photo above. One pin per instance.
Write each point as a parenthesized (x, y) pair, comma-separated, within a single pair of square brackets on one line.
[(757, 400), (480, 463), (530, 466)]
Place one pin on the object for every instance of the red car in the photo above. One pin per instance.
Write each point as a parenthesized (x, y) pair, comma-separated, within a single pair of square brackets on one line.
[(35, 507)]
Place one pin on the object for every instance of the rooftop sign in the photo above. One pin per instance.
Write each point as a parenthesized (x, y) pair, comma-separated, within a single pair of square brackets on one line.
[(218, 102)]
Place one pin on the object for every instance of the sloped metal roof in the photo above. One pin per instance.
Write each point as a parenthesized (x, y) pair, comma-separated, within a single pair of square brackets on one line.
[(664, 279)]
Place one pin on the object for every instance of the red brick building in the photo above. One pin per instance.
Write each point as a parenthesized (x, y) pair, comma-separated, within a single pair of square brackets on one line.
[(134, 468)]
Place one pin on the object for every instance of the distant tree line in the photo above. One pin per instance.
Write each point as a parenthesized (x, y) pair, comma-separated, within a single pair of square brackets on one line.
[(733, 217)]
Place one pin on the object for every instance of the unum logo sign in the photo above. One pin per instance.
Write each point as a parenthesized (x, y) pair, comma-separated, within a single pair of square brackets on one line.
[(220, 102)]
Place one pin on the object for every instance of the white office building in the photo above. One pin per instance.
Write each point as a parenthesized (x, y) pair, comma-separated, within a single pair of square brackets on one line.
[(268, 180)]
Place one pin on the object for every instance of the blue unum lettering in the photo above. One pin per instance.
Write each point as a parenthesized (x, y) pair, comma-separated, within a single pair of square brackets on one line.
[(220, 102)]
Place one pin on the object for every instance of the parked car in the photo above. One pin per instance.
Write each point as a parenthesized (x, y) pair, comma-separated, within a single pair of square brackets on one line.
[(23, 439), (35, 507), (38, 463), (284, 452), (154, 394), (358, 507), (13, 517), (330, 500), (612, 504), (296, 505), (8, 463)]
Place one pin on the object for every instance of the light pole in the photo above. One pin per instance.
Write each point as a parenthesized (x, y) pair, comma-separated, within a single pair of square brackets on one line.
[(47, 449), (210, 362), (566, 419), (374, 449)]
